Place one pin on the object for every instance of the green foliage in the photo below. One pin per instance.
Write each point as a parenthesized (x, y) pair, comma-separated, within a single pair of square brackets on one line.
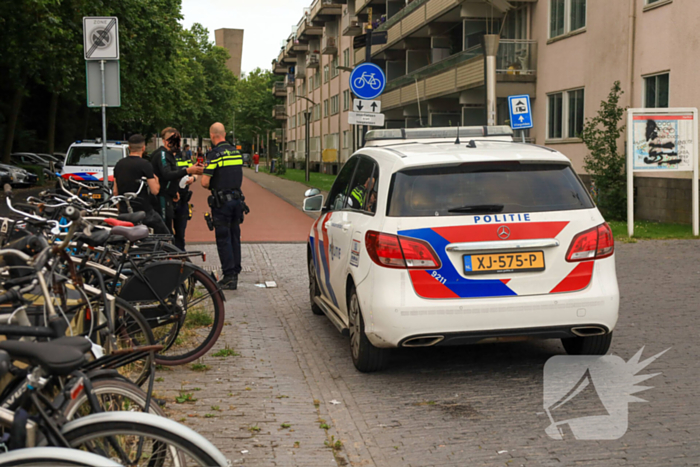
[(185, 397), (603, 162), (649, 230), (253, 106), (199, 367), (226, 352)]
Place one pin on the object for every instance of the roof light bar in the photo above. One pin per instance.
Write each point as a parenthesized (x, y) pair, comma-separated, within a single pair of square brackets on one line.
[(439, 133)]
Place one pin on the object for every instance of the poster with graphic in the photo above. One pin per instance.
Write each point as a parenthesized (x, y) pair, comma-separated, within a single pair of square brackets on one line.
[(662, 142)]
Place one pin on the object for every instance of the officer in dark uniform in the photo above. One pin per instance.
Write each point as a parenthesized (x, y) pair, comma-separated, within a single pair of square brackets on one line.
[(182, 205), (164, 161), (223, 175)]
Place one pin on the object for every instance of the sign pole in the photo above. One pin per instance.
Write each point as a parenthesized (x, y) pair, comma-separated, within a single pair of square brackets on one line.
[(630, 174), (695, 192), (105, 169)]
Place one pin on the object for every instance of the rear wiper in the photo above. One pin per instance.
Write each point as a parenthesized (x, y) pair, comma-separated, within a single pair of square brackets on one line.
[(478, 208)]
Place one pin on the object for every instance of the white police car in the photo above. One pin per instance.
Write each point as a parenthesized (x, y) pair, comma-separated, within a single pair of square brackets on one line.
[(428, 240)]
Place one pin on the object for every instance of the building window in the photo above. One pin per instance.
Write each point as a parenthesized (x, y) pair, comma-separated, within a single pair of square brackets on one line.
[(317, 112), (565, 114), (334, 67), (325, 108), (317, 79), (346, 139), (346, 99), (335, 104), (566, 16), (325, 74), (346, 57), (331, 141), (656, 91)]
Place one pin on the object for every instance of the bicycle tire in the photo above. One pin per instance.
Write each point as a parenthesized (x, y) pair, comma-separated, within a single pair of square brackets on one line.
[(132, 328), (212, 290), (86, 432), (54, 457), (112, 387)]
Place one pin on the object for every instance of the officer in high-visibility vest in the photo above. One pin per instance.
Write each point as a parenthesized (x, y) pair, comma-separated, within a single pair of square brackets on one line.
[(181, 209), (223, 175)]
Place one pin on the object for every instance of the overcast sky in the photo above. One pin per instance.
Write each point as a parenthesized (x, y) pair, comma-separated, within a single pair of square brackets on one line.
[(266, 23)]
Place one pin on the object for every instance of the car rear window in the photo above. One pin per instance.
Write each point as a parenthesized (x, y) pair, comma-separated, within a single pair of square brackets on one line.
[(92, 156), (517, 187)]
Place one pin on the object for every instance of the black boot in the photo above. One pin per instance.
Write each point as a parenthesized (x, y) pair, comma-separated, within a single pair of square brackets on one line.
[(229, 282)]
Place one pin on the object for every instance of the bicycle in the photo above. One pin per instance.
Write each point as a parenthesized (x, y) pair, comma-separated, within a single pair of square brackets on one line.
[(368, 79)]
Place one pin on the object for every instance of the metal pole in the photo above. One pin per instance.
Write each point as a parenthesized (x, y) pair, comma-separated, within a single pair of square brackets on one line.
[(491, 42), (368, 59), (695, 186), (267, 147), (307, 117), (105, 168), (630, 173)]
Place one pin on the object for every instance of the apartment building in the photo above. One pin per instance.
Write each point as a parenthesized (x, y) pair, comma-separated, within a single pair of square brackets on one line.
[(566, 54)]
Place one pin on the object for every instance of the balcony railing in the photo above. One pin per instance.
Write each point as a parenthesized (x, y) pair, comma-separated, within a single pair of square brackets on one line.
[(350, 24), (434, 68), (279, 112), (279, 89), (517, 57), (289, 80), (312, 60), (329, 45)]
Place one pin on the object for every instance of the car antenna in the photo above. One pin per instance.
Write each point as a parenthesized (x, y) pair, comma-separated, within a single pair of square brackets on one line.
[(457, 140)]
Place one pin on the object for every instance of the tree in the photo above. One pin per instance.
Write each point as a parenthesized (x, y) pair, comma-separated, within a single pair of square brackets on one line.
[(604, 164), (254, 104)]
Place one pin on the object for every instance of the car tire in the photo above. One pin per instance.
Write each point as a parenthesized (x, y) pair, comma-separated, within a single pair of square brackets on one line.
[(591, 345), (366, 357), (314, 290)]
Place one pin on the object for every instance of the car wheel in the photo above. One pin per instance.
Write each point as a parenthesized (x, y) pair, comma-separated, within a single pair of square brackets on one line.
[(591, 345), (314, 291), (366, 357)]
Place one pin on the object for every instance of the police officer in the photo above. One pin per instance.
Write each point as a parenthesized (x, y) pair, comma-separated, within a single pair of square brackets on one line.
[(164, 161), (223, 175), (181, 207)]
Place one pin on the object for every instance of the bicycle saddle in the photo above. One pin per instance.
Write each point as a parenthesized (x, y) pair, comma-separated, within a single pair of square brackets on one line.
[(131, 233), (58, 360), (133, 217), (96, 238), (115, 222), (77, 342)]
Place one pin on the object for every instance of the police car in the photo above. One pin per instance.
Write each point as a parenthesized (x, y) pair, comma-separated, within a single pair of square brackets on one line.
[(84, 162), (429, 239)]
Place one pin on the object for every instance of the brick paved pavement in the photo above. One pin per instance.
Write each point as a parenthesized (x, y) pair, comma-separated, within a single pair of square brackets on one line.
[(478, 405)]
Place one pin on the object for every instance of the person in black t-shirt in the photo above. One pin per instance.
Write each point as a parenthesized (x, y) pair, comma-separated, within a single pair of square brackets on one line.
[(127, 179)]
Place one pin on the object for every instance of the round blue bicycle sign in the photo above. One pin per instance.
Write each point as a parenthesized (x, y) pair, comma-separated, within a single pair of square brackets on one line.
[(367, 81)]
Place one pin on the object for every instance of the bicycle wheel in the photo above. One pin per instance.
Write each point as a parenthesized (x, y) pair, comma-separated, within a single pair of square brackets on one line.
[(132, 330), (54, 457), (113, 395), (197, 326), (140, 439)]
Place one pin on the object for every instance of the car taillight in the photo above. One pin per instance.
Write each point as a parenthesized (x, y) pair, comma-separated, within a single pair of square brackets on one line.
[(392, 251), (595, 243)]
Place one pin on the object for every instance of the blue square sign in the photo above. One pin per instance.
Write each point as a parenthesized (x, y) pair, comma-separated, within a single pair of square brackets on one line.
[(520, 112)]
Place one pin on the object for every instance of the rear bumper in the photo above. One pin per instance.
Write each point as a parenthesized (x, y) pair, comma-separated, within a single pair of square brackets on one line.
[(393, 313)]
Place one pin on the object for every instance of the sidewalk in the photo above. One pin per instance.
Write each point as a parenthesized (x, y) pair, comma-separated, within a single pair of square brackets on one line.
[(292, 192), (272, 218)]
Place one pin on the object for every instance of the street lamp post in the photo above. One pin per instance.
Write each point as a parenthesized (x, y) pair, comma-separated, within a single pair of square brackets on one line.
[(307, 119)]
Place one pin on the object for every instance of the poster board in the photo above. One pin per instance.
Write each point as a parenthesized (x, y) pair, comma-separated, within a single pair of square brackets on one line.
[(662, 140)]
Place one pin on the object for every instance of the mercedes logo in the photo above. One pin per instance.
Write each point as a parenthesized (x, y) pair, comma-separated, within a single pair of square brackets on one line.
[(503, 232)]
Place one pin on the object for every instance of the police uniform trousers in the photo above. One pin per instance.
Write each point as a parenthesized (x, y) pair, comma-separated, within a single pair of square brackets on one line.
[(227, 229), (180, 218)]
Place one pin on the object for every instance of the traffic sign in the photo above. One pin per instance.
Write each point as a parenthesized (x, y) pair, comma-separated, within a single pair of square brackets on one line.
[(93, 73), (365, 118), (520, 112), (101, 37), (361, 105), (367, 81)]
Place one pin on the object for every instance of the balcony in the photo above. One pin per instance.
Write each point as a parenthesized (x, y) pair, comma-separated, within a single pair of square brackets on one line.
[(279, 68), (288, 52), (517, 57), (313, 60), (329, 45), (350, 24), (300, 68), (289, 80), (279, 113), (306, 29), (278, 135), (299, 47), (279, 89), (324, 10)]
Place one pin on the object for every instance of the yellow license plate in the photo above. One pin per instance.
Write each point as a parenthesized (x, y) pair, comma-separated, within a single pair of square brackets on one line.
[(97, 196), (504, 262)]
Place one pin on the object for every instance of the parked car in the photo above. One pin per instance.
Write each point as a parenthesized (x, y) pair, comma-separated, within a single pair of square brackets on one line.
[(84, 161), (5, 177), (58, 161), (30, 158), (20, 177)]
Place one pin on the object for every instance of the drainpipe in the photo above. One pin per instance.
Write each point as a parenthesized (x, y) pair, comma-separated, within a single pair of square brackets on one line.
[(491, 42), (631, 37)]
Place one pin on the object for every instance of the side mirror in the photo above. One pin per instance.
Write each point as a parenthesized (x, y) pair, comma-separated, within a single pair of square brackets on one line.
[(313, 203), (312, 192)]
